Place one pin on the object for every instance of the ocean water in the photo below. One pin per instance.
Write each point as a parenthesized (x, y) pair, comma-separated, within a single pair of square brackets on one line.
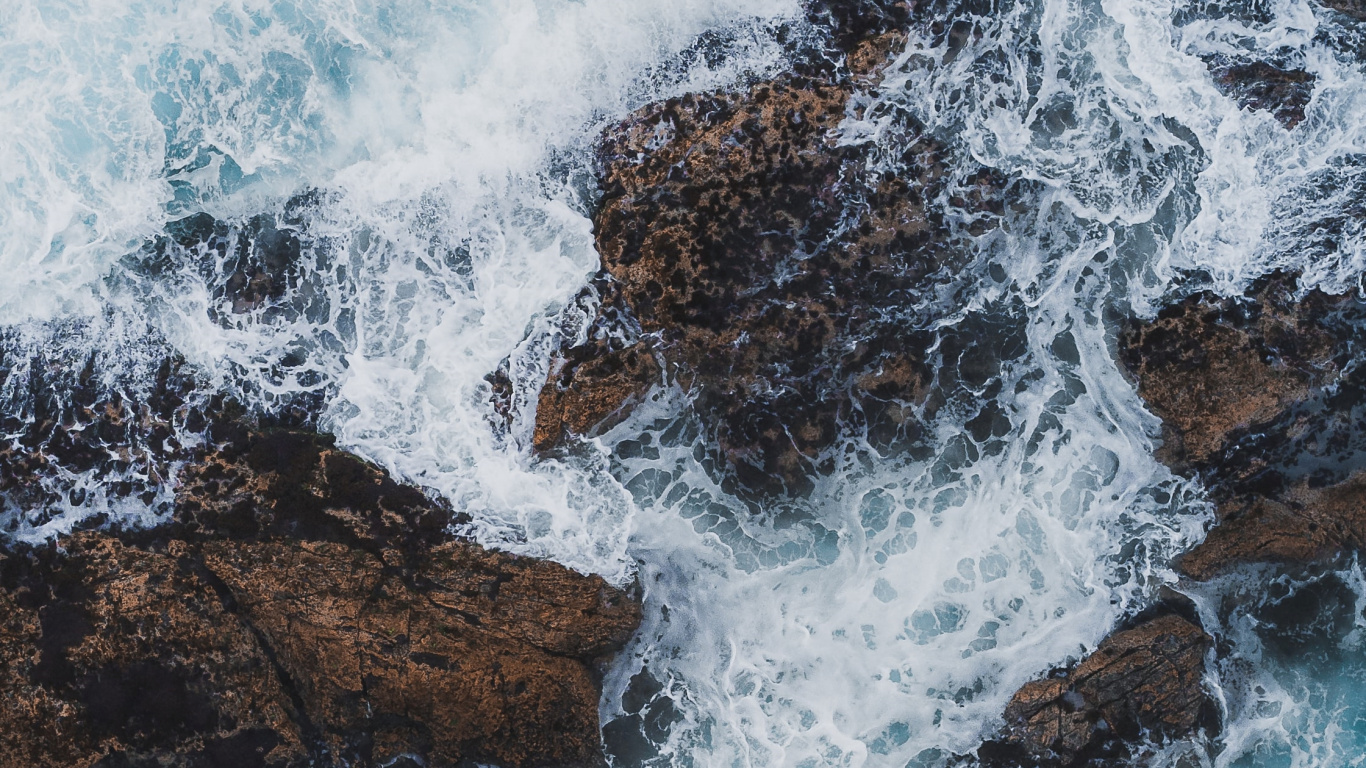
[(427, 166)]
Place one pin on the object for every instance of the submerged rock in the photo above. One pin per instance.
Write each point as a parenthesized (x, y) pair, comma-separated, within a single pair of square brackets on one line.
[(767, 268), (1143, 683), (299, 608)]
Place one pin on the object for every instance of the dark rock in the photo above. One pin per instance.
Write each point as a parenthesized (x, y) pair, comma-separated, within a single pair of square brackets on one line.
[(853, 22), (768, 270), (1354, 8), (1210, 367), (1301, 525), (151, 661), (1262, 396), (1144, 682), (300, 607), (1260, 85)]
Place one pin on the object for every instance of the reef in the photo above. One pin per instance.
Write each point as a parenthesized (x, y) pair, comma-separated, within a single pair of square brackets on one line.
[(764, 267), (296, 606)]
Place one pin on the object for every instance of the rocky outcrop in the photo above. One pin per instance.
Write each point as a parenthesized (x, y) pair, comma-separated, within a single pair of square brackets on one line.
[(1144, 682), (1261, 396), (1259, 85), (299, 607), (1214, 369), (763, 267), (1301, 524), (1354, 8)]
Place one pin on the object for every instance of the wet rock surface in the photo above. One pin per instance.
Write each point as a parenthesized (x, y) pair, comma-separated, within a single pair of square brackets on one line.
[(1261, 397), (1259, 85), (1354, 8), (1143, 683), (1216, 369), (764, 266), (298, 607)]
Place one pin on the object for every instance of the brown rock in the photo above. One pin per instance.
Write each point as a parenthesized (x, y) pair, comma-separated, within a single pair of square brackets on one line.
[(594, 383), (1142, 682), (1300, 526), (302, 608), (1210, 367), (371, 655), (112, 650)]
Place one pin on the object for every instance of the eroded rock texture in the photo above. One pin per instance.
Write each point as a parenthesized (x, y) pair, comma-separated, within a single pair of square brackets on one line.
[(301, 608), (1262, 397), (1144, 682), (767, 269)]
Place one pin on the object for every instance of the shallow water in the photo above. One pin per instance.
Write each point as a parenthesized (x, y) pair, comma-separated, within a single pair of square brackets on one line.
[(429, 167)]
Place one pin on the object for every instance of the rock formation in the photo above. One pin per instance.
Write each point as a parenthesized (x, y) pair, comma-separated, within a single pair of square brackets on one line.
[(299, 607), (761, 265), (1144, 682), (1354, 8), (1260, 396), (1282, 91)]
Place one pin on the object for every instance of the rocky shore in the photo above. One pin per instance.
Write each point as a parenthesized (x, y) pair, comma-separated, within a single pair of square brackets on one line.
[(1144, 682), (1261, 399), (297, 607), (757, 263)]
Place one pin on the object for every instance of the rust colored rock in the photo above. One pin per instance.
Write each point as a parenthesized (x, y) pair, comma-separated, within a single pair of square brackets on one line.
[(1302, 525), (1260, 396), (301, 608), (595, 382), (375, 658), (1145, 681), (112, 653), (1259, 85), (868, 59)]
